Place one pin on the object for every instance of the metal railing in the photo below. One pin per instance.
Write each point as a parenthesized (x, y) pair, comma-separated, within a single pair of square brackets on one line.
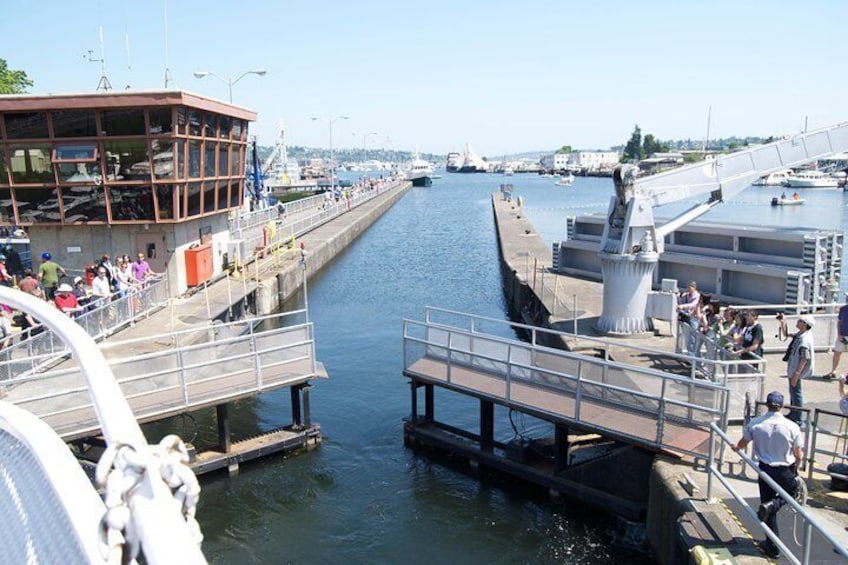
[(824, 316), (199, 366), (301, 216), (832, 427), (670, 401), (99, 319), (809, 522)]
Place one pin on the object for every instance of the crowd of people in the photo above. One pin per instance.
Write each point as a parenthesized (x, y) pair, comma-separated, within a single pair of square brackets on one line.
[(72, 295)]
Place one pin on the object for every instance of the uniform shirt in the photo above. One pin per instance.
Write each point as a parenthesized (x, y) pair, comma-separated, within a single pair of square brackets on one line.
[(774, 437), (842, 322)]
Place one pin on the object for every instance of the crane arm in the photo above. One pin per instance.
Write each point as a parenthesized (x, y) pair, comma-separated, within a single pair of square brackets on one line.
[(630, 227)]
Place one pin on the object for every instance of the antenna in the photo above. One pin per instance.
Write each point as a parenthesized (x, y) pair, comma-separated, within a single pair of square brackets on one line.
[(709, 118), (104, 83), (169, 80), (129, 63)]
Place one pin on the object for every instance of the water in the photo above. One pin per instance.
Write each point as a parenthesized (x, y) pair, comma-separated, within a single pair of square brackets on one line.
[(364, 498)]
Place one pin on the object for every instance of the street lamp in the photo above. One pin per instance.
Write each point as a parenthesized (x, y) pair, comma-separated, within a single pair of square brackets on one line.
[(364, 138), (230, 81), (330, 122)]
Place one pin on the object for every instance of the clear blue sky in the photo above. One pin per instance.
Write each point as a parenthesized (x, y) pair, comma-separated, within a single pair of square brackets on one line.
[(504, 76)]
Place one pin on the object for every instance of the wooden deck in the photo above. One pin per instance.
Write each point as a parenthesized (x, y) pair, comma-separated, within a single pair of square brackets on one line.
[(630, 425)]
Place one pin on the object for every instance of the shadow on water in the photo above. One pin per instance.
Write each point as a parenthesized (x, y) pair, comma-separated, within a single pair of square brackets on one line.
[(362, 497)]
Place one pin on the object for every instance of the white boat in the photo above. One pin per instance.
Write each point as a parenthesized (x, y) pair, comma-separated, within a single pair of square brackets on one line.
[(420, 172), (811, 179), (565, 180), (472, 163), (454, 162), (777, 178), (787, 201)]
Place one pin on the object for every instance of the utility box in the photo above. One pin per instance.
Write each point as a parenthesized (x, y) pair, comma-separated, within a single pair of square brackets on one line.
[(198, 261)]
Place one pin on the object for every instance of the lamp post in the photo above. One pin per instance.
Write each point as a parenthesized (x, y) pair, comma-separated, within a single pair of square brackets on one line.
[(364, 139), (330, 122), (230, 81)]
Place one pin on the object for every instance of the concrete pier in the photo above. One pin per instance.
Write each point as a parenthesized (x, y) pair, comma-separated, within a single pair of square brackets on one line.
[(677, 520)]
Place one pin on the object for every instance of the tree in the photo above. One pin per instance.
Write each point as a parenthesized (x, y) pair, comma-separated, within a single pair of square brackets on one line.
[(12, 82), (633, 149), (564, 149)]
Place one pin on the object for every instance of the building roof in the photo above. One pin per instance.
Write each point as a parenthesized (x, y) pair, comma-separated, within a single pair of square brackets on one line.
[(120, 99)]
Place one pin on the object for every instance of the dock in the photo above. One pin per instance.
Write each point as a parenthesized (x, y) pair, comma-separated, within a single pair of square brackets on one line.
[(629, 418)]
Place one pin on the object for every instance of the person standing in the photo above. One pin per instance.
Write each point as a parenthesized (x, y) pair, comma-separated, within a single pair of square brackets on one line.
[(48, 274), (752, 337), (13, 261), (141, 269), (778, 446), (841, 344), (800, 357), (101, 288), (29, 284), (689, 312), (5, 277)]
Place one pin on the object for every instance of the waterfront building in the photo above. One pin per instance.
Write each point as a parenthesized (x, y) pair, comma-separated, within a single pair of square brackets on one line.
[(123, 172), (594, 160), (555, 162)]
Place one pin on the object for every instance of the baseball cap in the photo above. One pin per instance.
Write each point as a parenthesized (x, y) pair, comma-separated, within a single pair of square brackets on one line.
[(807, 319), (774, 398)]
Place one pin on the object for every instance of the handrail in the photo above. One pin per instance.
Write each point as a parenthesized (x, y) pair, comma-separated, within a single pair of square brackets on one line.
[(577, 386), (810, 522)]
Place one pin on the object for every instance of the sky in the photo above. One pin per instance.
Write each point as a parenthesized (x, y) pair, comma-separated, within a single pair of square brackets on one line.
[(506, 77)]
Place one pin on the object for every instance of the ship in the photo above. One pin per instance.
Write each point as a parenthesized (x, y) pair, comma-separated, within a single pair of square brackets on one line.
[(420, 172), (471, 163), (454, 162)]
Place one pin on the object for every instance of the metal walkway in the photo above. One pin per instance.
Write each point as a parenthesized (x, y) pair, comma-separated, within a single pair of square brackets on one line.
[(635, 405), (186, 370)]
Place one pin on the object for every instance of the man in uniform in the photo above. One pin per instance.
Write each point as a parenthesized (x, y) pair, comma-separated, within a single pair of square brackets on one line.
[(777, 445)]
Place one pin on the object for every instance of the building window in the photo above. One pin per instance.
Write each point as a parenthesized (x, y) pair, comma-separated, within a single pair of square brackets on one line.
[(164, 162), (7, 211), (128, 121), (208, 197), (127, 160), (37, 205), (131, 203), (194, 122), (193, 159), (221, 188), (84, 204), (26, 125), (236, 165), (209, 160), (31, 164), (236, 129), (192, 199), (223, 160), (225, 123), (4, 176), (210, 124), (235, 194), (182, 120), (88, 173), (160, 121), (165, 199), (74, 123)]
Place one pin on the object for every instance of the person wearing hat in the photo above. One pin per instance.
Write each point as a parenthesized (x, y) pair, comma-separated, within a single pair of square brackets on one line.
[(778, 447), (841, 344), (80, 291), (65, 300), (800, 360), (48, 274)]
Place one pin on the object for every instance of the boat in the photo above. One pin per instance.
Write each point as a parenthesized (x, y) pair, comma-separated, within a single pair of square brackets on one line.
[(811, 179), (454, 162), (787, 201), (471, 163), (565, 180), (420, 172), (777, 178)]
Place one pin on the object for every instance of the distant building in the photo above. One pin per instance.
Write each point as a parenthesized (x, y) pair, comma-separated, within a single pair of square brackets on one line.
[(594, 160), (660, 162), (122, 172), (555, 162)]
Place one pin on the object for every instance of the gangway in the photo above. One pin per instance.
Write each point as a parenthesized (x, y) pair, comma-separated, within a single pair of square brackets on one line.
[(634, 405), (194, 368)]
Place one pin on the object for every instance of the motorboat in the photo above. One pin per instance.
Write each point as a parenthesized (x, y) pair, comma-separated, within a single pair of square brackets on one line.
[(420, 172), (565, 180), (811, 179), (777, 178), (787, 200), (454, 162)]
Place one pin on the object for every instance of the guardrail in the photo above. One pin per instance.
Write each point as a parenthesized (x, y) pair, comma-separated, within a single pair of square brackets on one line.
[(200, 367), (739, 376), (274, 231), (671, 401), (824, 316), (809, 523), (827, 424), (100, 319)]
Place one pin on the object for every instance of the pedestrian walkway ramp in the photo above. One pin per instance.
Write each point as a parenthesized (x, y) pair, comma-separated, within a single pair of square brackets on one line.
[(168, 374), (631, 404)]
